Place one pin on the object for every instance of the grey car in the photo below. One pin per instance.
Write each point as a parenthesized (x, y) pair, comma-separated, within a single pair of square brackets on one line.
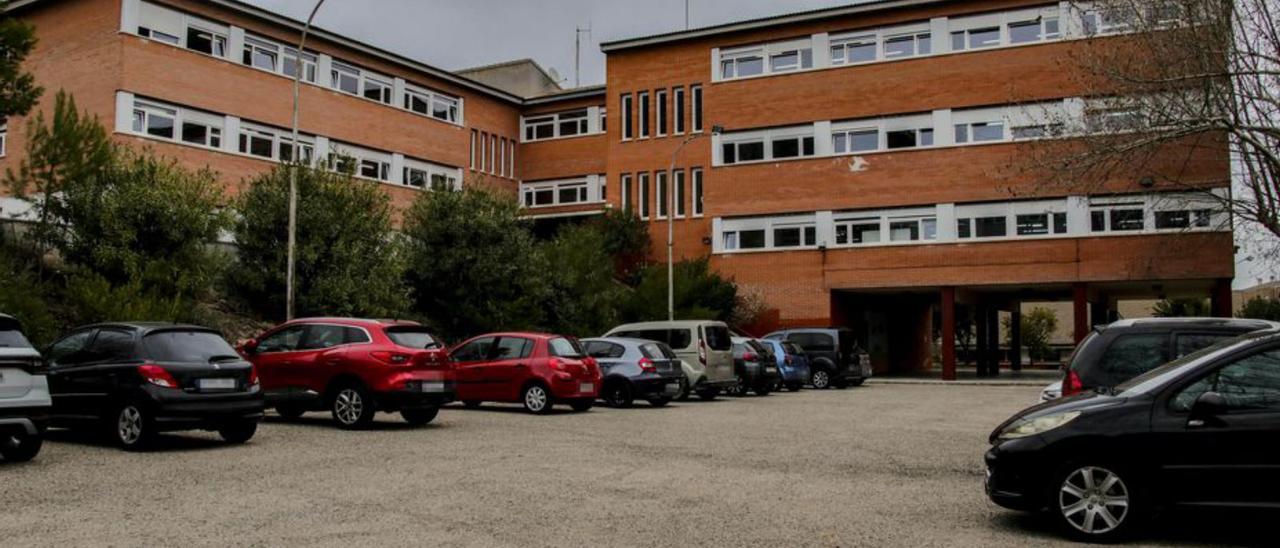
[(24, 394), (636, 369)]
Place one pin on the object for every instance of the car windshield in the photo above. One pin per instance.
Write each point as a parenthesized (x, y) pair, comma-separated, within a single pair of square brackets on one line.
[(13, 339), (188, 347), (412, 337), (565, 348)]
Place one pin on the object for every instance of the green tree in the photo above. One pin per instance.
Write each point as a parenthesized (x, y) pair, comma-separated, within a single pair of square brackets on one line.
[(700, 293), (22, 295), (1261, 308), (349, 261), (474, 265), (627, 241), (1181, 308), (1037, 329), (583, 296), (18, 90)]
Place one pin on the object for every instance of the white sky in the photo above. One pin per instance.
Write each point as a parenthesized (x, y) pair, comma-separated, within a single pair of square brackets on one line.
[(456, 34)]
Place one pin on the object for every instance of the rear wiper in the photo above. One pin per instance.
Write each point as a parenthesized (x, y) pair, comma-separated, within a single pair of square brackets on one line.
[(223, 358)]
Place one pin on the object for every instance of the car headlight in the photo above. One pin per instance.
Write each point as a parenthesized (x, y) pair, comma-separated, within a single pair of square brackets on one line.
[(1039, 425)]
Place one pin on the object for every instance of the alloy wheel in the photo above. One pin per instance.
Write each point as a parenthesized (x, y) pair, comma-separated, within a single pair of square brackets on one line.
[(348, 406), (129, 425), (1094, 500), (535, 399), (820, 380)]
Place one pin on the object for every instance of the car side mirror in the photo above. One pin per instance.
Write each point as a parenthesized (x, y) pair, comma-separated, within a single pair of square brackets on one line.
[(1208, 406), (249, 346)]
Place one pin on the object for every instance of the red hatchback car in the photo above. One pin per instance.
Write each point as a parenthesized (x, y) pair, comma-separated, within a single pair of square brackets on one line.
[(354, 368), (534, 369)]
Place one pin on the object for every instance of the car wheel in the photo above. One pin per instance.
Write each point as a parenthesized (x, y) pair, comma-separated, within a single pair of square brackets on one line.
[(618, 395), (581, 406), (419, 417), (659, 402), (20, 448), (820, 379), (353, 407), (238, 432), (132, 429), (289, 412), (1096, 503), (708, 394), (793, 386), (762, 389), (472, 404), (685, 390), (536, 399)]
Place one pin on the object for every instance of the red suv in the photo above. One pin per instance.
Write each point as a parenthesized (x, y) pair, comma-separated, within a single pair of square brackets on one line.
[(535, 369), (354, 368)]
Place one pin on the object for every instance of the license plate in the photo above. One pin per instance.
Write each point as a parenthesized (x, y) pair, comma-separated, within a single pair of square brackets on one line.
[(771, 369), (216, 384), (586, 387), (431, 387)]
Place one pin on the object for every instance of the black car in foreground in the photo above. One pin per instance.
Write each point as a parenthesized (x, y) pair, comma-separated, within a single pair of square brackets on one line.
[(134, 380), (1200, 431)]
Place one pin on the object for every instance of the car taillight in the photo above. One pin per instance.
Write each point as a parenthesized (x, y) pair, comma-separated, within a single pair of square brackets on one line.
[(253, 376), (558, 365), (647, 366), (1071, 384), (750, 356), (391, 358), (158, 376), (702, 353)]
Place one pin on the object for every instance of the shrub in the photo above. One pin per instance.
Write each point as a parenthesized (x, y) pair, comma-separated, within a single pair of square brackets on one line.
[(1261, 308), (1037, 329), (699, 294), (1181, 308), (22, 295), (583, 296)]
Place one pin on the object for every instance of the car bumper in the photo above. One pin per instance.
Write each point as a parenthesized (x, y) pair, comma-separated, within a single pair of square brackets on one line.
[(1016, 475), (182, 411), (575, 389), (418, 394), (661, 387), (24, 420)]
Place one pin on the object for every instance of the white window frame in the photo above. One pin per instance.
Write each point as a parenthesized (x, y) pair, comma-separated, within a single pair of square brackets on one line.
[(645, 110), (432, 99), (695, 111), (662, 192), (646, 203), (278, 138), (661, 102), (624, 192), (767, 137), (698, 191), (581, 118), (433, 173), (4, 137), (364, 158), (182, 116), (627, 110), (167, 26), (680, 193), (678, 110), (731, 231), (846, 42), (1049, 17)]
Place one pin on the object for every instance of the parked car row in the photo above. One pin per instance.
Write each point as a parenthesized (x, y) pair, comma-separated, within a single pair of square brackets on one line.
[(131, 381), (1152, 413)]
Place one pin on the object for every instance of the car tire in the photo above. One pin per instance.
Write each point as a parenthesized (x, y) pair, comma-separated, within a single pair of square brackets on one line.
[(762, 389), (131, 428), (21, 448), (289, 412), (659, 402), (352, 407), (238, 432), (536, 399), (617, 394), (709, 394), (471, 404), (820, 379), (1096, 503), (581, 406), (685, 390), (793, 386), (419, 417)]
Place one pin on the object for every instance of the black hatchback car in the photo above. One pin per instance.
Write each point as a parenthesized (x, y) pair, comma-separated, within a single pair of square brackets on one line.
[(1199, 431), (135, 380), (835, 357)]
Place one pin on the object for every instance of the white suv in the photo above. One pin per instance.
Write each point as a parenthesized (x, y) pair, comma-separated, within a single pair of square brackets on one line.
[(24, 394)]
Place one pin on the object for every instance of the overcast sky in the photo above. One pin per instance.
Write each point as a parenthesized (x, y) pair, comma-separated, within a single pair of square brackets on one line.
[(456, 34)]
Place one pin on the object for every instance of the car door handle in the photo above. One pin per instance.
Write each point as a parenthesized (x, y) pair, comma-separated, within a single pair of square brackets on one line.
[(1196, 423)]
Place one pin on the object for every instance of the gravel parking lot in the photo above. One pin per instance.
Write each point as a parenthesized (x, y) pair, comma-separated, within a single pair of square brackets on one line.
[(880, 465)]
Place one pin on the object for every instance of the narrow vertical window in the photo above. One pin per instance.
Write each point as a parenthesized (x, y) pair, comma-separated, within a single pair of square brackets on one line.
[(473, 150), (664, 199), (697, 193), (502, 157), (662, 112), (644, 195), (625, 197), (697, 108), (643, 97), (493, 154), (677, 104), (679, 191), (511, 160), (484, 151), (627, 123)]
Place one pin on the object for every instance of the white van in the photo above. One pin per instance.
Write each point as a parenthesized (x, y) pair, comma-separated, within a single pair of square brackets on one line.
[(705, 349)]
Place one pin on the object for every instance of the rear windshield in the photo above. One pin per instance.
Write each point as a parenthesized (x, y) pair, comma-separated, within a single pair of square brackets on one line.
[(565, 348), (717, 337), (412, 337), (13, 339), (657, 352), (188, 347)]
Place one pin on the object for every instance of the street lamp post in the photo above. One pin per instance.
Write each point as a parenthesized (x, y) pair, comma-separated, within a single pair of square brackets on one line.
[(671, 225), (295, 156)]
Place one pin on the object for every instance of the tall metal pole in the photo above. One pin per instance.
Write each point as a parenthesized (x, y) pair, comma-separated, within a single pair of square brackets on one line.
[(671, 228), (295, 157), (686, 14)]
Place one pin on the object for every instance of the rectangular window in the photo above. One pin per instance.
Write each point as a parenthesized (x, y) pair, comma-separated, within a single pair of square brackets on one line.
[(155, 120), (664, 199), (644, 195), (1059, 223), (857, 140), (856, 49), (626, 117), (991, 227), (975, 38), (912, 230), (473, 150), (433, 104), (625, 197), (746, 151), (555, 193), (741, 64), (858, 231), (1025, 31), (909, 138), (662, 112), (697, 108), (795, 236), (377, 90), (207, 42), (677, 104), (571, 123), (289, 65), (697, 193), (1033, 225), (203, 134), (909, 45), (680, 196), (261, 54), (4, 136), (751, 239), (979, 132), (643, 98), (539, 128), (1118, 218), (258, 143), (345, 78), (502, 157), (787, 61), (1172, 220), (493, 154)]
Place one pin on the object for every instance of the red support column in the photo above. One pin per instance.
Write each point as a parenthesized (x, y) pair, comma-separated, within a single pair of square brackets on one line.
[(1221, 302), (1080, 300), (948, 333)]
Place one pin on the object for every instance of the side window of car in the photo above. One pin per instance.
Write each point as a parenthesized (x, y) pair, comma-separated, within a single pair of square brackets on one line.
[(354, 335), (70, 350), (111, 345), (513, 348), (474, 351), (285, 340), (1250, 384), (679, 338), (1190, 343), (320, 337), (814, 342), (1132, 355), (605, 350)]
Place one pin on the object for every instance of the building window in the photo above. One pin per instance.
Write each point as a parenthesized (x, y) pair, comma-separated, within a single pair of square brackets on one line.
[(289, 66), (677, 104), (1118, 218), (855, 140), (744, 239), (554, 193), (854, 49), (261, 54), (664, 199), (493, 154), (789, 60), (644, 195), (697, 193), (345, 78), (661, 96), (909, 138), (775, 144), (643, 98), (908, 45), (177, 124), (626, 117), (361, 162), (680, 196), (745, 151), (696, 92), (473, 150), (4, 137), (1034, 30), (433, 104), (912, 230), (979, 132), (502, 157), (858, 231), (795, 236), (975, 38), (625, 197), (428, 176), (1184, 219), (206, 41), (353, 81), (551, 126), (741, 64), (154, 120)]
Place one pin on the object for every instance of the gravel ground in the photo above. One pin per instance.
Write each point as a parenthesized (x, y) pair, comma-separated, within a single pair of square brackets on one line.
[(882, 465)]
